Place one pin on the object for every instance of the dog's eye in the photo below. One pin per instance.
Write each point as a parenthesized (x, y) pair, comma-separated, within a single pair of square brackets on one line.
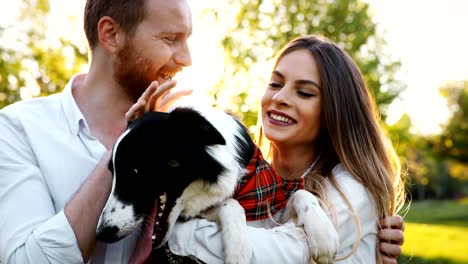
[(173, 163)]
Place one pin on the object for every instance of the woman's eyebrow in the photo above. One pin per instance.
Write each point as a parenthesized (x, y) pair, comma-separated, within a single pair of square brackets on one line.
[(310, 82), (307, 82), (279, 74)]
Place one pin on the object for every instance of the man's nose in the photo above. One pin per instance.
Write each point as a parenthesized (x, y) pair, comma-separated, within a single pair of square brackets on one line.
[(183, 57)]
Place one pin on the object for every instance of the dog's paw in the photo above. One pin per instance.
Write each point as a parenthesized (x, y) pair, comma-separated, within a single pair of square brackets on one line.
[(237, 247), (321, 234), (241, 255)]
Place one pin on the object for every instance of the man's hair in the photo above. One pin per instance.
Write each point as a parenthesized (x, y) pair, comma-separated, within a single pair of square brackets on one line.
[(127, 13)]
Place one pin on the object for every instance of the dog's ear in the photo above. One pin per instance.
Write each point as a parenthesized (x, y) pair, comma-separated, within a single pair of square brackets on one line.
[(210, 134), (155, 116), (188, 120), (148, 116)]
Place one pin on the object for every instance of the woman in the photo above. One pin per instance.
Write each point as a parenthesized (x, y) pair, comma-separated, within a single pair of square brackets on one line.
[(322, 124), (317, 110)]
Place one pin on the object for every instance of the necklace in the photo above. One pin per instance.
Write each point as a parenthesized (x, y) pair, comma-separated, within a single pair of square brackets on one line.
[(311, 166)]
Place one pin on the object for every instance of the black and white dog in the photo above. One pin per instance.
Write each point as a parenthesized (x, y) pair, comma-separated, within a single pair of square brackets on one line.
[(189, 161)]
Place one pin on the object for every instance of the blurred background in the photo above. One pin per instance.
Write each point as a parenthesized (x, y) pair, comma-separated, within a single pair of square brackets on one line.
[(413, 54)]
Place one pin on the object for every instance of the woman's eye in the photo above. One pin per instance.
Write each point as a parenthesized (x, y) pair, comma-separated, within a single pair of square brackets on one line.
[(274, 85), (305, 94)]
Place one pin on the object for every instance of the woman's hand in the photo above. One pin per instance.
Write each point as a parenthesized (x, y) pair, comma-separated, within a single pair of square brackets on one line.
[(155, 98), (391, 238)]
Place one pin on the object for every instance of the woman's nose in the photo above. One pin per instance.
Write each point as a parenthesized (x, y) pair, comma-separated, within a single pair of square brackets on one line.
[(281, 97)]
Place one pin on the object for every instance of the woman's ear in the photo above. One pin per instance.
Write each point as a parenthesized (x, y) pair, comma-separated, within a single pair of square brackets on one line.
[(110, 34)]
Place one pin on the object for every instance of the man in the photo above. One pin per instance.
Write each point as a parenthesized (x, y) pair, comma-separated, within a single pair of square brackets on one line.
[(54, 151)]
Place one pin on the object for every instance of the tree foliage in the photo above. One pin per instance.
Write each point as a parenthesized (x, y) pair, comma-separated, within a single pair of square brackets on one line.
[(437, 164), (454, 139), (262, 27), (10, 80), (37, 63), (452, 145)]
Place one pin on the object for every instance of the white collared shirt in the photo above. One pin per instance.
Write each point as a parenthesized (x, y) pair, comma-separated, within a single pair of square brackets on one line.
[(46, 153)]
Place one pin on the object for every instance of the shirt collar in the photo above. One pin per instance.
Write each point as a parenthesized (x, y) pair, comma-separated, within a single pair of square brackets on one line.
[(73, 114)]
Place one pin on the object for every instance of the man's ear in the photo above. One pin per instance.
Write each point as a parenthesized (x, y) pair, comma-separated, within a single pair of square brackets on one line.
[(110, 35)]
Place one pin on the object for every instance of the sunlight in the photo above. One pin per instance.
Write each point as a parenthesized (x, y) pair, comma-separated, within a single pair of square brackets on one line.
[(431, 47)]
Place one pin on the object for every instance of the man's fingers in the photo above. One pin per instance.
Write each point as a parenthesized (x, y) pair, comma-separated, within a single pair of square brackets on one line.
[(154, 99), (136, 110), (168, 100), (149, 91)]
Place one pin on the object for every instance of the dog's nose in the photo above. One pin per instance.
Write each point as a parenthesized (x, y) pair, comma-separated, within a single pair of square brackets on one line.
[(108, 234)]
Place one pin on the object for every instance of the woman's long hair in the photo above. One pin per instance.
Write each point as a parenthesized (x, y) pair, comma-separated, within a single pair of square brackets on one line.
[(351, 133)]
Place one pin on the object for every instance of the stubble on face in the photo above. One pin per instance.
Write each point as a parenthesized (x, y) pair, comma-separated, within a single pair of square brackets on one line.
[(132, 71)]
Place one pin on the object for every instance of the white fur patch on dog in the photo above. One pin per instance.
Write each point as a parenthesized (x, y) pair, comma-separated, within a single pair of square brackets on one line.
[(172, 218), (321, 233), (237, 247), (119, 215), (115, 213)]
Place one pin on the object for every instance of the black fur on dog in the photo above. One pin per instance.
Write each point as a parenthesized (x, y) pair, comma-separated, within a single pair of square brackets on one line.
[(172, 157)]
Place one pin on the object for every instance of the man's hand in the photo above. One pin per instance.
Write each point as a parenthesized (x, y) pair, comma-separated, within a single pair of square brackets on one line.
[(156, 98), (391, 238)]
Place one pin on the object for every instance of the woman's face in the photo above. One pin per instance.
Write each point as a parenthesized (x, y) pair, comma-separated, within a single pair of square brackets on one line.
[(291, 103)]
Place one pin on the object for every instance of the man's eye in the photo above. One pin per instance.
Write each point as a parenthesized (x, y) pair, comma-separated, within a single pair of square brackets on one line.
[(170, 38)]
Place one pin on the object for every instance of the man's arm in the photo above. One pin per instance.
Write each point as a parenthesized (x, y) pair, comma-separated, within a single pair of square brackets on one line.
[(84, 209), (31, 229)]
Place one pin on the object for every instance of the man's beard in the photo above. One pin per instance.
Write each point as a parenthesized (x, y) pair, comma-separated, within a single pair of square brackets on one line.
[(133, 72)]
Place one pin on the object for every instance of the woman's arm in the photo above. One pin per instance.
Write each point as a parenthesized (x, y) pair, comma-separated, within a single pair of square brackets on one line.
[(201, 238), (356, 225)]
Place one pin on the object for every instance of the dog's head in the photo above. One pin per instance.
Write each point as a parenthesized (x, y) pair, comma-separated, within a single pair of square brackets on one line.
[(155, 159)]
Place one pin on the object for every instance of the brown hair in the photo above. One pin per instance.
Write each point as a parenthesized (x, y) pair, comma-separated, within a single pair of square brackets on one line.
[(351, 133), (127, 13)]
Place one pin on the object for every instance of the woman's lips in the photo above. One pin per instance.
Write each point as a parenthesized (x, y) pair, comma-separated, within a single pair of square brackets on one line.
[(279, 118)]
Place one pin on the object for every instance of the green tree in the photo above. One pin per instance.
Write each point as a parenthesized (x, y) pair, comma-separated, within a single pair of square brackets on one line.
[(453, 142), (10, 80), (437, 164), (454, 138), (415, 160), (38, 63), (261, 27)]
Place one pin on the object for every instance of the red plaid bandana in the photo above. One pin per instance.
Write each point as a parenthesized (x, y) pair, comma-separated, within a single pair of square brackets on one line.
[(262, 190)]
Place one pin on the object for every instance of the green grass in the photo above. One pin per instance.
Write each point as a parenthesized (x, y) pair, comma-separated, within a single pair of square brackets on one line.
[(436, 233)]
